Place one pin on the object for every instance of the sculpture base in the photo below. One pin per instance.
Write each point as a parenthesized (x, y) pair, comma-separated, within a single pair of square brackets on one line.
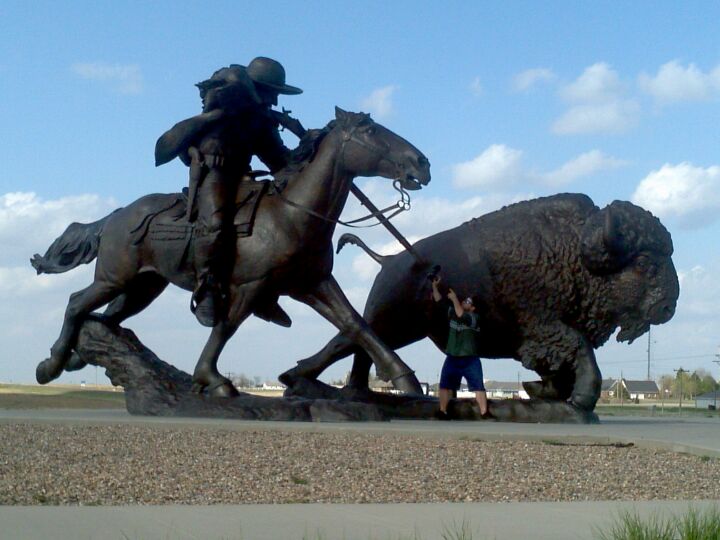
[(155, 388), (413, 407)]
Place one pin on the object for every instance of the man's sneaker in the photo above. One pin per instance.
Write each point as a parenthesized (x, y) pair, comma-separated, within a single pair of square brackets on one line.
[(442, 415)]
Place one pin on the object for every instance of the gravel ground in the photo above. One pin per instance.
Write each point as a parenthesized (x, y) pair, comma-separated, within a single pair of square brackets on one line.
[(125, 464)]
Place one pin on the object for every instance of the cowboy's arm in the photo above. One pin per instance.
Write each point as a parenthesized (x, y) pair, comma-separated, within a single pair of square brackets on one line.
[(272, 151), (180, 137)]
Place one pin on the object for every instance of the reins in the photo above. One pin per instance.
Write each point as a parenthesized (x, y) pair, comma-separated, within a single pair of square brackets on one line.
[(401, 206)]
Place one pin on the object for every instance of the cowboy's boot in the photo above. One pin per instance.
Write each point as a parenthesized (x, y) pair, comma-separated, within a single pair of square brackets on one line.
[(206, 300)]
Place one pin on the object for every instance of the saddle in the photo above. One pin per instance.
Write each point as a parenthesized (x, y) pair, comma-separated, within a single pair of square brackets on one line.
[(168, 222)]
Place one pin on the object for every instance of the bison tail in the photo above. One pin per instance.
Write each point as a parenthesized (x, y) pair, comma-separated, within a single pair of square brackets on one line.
[(77, 245), (349, 238)]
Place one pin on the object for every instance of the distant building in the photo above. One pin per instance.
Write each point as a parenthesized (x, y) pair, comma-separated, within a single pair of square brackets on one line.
[(386, 387), (640, 390), (505, 390), (709, 400), (637, 390), (607, 389)]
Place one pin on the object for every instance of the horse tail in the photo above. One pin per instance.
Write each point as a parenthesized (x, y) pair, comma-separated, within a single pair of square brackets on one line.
[(349, 238), (77, 245)]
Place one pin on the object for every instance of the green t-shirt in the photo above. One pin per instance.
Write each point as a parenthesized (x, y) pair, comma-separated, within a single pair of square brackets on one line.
[(462, 340)]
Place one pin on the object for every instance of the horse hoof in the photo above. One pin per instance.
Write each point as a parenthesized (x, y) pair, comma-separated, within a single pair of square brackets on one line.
[(223, 390), (75, 363), (288, 378), (408, 384), (44, 372)]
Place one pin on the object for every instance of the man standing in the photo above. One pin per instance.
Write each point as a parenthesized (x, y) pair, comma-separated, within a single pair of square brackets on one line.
[(462, 358), (236, 124)]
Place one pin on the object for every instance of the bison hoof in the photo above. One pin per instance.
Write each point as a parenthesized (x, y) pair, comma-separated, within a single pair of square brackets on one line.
[(47, 371), (584, 403)]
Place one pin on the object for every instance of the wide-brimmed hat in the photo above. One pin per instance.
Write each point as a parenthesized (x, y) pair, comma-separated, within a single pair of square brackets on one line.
[(270, 73)]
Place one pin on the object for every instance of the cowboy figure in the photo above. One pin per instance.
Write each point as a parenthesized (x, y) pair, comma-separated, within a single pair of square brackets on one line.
[(236, 124)]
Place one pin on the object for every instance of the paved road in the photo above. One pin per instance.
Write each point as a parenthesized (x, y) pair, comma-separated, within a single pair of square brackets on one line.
[(393, 521)]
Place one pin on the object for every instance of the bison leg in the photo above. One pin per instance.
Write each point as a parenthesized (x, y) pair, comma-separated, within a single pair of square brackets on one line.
[(551, 386), (330, 302), (566, 362), (588, 380)]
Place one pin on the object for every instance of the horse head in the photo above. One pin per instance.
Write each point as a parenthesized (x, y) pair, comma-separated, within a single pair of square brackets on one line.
[(370, 149)]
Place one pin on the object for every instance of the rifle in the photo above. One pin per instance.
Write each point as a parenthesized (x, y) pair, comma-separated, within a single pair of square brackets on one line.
[(293, 125)]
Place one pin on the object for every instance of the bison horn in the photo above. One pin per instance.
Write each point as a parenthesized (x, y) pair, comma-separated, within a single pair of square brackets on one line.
[(604, 246)]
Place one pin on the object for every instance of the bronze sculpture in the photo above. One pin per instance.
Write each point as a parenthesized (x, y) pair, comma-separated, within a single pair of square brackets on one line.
[(237, 123), (146, 245), (557, 276)]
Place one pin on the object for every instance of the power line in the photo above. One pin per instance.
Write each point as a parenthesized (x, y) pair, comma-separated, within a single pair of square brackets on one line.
[(661, 359)]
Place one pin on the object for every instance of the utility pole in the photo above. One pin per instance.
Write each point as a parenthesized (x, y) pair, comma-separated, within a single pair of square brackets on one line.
[(680, 372), (662, 396), (648, 351), (715, 390), (620, 389)]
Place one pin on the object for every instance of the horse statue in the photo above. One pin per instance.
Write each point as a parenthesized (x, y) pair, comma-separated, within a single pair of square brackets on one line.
[(144, 246)]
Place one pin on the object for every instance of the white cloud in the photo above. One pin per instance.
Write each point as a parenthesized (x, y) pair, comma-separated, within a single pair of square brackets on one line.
[(599, 83), (688, 193), (526, 80), (613, 117), (675, 83), (700, 292), (584, 165), (498, 165), (379, 102), (126, 79), (597, 104), (365, 266), (501, 167), (28, 223), (476, 87)]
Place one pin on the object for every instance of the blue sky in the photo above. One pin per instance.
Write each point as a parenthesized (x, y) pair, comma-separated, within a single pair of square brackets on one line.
[(509, 100)]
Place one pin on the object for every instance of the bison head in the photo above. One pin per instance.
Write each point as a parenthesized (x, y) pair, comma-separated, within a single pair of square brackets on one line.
[(630, 249)]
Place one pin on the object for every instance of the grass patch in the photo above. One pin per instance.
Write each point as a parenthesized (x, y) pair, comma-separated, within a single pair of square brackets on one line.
[(16, 396), (693, 525), (299, 480), (631, 409)]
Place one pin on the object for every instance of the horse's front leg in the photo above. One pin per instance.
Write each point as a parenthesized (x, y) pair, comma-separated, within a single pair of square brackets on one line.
[(328, 299), (206, 376)]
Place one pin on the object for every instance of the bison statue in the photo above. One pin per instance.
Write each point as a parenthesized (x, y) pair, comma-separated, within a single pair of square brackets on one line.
[(553, 278)]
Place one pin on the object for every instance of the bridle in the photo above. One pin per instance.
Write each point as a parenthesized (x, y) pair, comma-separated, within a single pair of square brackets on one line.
[(402, 205)]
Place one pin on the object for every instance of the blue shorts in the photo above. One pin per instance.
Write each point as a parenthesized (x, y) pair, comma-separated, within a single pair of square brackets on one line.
[(457, 367)]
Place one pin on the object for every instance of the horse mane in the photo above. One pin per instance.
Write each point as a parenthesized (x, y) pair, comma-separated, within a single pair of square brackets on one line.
[(308, 147)]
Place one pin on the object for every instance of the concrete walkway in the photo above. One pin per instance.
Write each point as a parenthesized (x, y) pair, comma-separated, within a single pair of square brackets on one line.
[(372, 521)]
